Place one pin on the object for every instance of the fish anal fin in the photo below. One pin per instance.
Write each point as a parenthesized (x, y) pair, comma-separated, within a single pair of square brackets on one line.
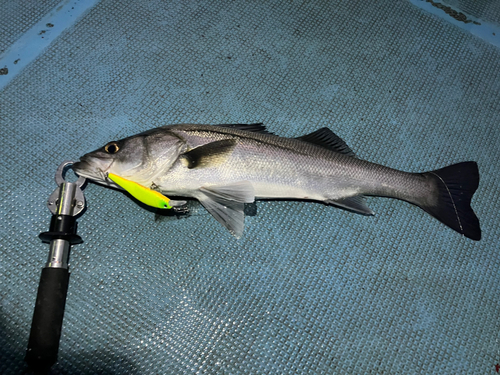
[(210, 154), (324, 137), (356, 204)]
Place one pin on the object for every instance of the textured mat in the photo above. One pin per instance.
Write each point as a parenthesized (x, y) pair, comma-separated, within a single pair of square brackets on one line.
[(309, 288), (18, 16), (487, 10)]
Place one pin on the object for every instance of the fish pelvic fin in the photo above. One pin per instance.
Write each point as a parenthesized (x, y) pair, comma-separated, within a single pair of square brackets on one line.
[(227, 204), (456, 184)]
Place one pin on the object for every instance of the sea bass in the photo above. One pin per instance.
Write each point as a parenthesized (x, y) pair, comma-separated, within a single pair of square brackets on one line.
[(226, 166)]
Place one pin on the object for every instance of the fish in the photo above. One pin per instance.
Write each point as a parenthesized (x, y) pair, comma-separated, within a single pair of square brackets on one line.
[(226, 166)]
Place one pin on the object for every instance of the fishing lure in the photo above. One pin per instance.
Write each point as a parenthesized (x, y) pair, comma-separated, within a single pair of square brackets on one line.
[(141, 193)]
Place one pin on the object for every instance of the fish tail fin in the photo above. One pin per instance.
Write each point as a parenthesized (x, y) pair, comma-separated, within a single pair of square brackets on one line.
[(456, 184)]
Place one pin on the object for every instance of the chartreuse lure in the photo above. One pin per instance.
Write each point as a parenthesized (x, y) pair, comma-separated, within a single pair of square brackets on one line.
[(141, 193)]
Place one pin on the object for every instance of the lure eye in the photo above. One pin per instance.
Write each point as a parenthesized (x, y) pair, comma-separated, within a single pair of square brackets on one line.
[(112, 148)]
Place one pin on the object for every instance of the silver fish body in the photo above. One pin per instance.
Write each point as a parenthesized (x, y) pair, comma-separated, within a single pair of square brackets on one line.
[(226, 166)]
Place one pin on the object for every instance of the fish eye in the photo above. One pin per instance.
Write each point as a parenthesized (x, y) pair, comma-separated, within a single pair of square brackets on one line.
[(112, 148)]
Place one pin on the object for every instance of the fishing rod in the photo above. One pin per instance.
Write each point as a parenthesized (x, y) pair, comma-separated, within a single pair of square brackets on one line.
[(66, 203)]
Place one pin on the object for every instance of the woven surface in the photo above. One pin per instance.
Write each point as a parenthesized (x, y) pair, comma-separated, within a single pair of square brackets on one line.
[(309, 288), (16, 17), (486, 10)]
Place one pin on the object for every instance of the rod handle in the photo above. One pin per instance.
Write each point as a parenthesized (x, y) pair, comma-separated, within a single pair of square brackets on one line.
[(47, 322)]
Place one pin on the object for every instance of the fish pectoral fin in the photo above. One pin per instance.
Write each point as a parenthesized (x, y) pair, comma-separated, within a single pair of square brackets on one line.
[(211, 154), (227, 203), (356, 204), (324, 137)]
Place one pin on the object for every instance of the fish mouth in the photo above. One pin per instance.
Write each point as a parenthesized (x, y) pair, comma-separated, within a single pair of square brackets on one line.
[(82, 168), (88, 167)]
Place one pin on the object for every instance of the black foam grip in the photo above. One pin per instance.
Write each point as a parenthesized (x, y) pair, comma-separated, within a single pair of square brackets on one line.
[(47, 319)]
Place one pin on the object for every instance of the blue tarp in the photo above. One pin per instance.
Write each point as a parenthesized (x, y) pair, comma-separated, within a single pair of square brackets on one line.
[(308, 288)]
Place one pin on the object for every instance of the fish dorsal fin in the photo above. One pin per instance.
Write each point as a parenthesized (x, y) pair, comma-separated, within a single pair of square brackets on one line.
[(356, 204), (256, 128), (324, 137), (227, 203), (210, 154)]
